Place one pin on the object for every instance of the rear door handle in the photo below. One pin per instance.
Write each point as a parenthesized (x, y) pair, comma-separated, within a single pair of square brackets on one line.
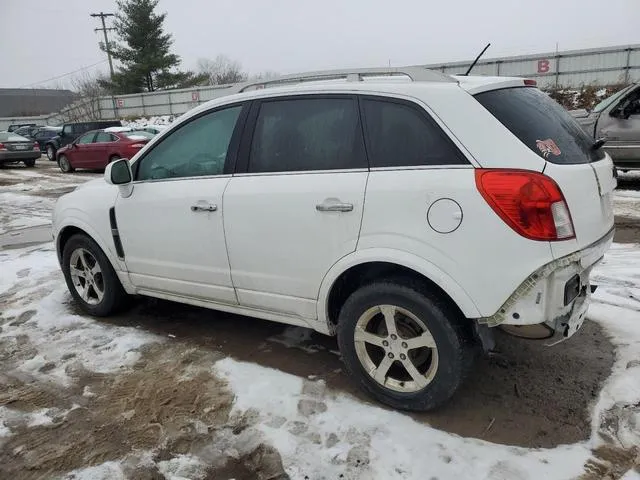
[(327, 206), (204, 208)]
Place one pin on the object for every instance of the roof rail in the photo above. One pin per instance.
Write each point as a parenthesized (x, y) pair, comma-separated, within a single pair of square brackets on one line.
[(415, 73)]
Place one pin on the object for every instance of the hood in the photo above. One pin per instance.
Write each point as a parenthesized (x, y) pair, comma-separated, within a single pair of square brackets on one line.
[(95, 183)]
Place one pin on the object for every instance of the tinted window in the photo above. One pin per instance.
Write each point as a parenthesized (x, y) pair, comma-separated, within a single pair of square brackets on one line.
[(195, 149), (88, 138), (307, 134), (541, 124), (105, 137), (402, 135)]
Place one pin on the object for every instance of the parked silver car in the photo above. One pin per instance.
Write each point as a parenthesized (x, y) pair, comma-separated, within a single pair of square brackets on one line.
[(617, 120)]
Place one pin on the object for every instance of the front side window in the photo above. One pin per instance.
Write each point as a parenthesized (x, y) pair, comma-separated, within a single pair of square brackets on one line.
[(86, 138), (307, 134), (401, 135), (197, 148)]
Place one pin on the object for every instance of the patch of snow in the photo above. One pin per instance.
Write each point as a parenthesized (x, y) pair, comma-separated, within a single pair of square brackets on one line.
[(105, 471), (182, 467), (631, 475)]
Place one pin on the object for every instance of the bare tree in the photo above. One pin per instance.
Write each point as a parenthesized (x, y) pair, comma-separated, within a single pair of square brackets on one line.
[(221, 70), (89, 90), (266, 75)]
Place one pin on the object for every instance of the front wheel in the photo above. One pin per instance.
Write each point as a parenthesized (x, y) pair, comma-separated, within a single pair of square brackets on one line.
[(405, 347), (51, 153), (65, 164), (91, 279)]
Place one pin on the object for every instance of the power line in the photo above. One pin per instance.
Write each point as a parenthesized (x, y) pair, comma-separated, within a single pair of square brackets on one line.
[(104, 30), (63, 75)]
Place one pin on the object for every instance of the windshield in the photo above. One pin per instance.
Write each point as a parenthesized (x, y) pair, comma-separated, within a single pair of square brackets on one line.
[(613, 98), (541, 124), (139, 135)]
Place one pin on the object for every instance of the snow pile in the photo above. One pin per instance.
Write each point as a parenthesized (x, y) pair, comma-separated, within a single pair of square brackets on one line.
[(144, 121)]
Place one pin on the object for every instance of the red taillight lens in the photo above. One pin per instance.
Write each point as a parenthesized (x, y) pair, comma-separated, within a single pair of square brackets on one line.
[(2, 147), (529, 202), (137, 145), (530, 83), (36, 146)]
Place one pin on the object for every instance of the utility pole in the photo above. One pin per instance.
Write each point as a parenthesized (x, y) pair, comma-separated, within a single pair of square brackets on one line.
[(104, 30)]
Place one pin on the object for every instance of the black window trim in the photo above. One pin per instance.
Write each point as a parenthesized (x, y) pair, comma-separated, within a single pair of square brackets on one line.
[(242, 164), (232, 151), (463, 160)]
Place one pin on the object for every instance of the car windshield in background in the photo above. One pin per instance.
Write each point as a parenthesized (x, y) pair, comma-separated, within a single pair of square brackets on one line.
[(139, 135), (613, 98), (12, 137), (541, 124)]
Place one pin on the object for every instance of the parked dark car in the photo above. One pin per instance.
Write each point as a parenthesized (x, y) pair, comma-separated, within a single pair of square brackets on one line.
[(27, 131), (13, 127), (43, 134), (95, 150), (14, 149), (71, 131)]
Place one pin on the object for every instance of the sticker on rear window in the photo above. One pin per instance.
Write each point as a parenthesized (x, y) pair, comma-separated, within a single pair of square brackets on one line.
[(547, 147)]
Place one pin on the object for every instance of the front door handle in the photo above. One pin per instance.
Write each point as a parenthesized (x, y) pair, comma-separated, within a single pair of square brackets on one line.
[(204, 208), (336, 206)]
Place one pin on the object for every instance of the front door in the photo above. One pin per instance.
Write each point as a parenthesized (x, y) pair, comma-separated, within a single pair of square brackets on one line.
[(620, 125), (297, 207), (82, 151), (171, 225)]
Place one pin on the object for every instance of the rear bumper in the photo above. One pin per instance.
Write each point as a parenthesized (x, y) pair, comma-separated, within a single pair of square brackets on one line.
[(8, 157), (556, 295)]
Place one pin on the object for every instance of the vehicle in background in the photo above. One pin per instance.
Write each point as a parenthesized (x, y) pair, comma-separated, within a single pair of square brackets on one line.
[(96, 149), (71, 131), (375, 211), (27, 131), (43, 134), (15, 148), (13, 127), (616, 120)]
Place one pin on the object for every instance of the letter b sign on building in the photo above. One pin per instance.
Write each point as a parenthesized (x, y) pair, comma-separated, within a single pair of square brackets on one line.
[(543, 66)]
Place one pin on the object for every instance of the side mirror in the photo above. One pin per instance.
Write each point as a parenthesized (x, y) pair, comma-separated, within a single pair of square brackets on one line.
[(118, 172)]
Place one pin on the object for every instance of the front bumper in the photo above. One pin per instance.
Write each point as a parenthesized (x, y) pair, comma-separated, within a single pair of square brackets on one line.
[(543, 297)]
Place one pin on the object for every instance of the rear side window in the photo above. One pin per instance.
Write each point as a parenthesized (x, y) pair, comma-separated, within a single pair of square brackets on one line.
[(307, 134), (541, 124), (103, 137), (401, 135)]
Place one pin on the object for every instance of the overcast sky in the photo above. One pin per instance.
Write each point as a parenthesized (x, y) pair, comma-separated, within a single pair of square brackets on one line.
[(41, 39)]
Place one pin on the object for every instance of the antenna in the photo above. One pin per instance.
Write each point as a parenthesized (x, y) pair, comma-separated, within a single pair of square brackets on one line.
[(476, 60)]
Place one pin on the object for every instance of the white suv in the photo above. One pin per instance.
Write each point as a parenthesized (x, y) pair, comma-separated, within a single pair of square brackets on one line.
[(406, 217)]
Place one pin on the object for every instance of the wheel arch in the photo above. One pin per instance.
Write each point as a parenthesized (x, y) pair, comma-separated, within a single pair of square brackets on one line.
[(364, 266)]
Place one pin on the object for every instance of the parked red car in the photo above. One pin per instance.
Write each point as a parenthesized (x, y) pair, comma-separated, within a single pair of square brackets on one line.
[(95, 149)]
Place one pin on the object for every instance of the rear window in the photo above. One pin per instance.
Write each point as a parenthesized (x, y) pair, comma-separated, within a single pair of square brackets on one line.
[(541, 124)]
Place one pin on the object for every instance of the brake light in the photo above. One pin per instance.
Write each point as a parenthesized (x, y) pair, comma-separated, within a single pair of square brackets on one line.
[(137, 145), (530, 83), (2, 147), (36, 146), (531, 203)]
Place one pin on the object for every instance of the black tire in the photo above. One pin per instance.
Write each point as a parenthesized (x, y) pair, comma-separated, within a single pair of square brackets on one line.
[(114, 297), (454, 354), (113, 158), (51, 152), (30, 163), (65, 164)]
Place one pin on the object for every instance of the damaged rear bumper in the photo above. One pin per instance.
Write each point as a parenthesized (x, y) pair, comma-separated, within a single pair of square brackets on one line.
[(553, 301)]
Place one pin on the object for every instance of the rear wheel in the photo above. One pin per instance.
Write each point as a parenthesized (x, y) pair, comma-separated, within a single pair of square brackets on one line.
[(30, 163), (91, 279), (51, 152), (64, 164), (405, 347), (113, 158)]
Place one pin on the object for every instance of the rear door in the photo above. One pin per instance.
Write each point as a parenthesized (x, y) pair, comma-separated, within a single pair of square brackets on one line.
[(103, 146), (295, 207), (584, 174)]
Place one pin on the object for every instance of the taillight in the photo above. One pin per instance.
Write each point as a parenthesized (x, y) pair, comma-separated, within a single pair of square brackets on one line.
[(530, 83), (529, 202), (2, 147), (137, 145), (36, 146)]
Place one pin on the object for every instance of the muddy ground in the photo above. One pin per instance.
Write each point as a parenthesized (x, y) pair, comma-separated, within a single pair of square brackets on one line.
[(170, 402)]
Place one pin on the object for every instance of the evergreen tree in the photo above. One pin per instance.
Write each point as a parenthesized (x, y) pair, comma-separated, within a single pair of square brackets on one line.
[(144, 51)]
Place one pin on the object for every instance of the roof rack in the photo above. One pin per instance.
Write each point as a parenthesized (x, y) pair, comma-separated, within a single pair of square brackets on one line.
[(415, 73)]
